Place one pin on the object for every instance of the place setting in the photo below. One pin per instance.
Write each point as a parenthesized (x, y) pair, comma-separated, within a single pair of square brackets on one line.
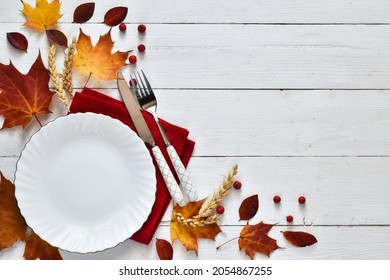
[(105, 168), (105, 171), (106, 183)]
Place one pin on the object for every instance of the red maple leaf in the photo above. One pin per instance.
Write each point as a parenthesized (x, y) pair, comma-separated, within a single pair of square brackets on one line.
[(254, 238), (24, 96)]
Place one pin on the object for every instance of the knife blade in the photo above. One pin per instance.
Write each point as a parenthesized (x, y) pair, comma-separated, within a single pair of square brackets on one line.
[(144, 133), (133, 109)]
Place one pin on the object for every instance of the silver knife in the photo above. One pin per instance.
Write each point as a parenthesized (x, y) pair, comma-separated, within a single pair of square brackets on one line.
[(145, 134)]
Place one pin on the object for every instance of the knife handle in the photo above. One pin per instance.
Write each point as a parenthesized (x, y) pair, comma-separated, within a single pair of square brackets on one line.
[(185, 183), (166, 172)]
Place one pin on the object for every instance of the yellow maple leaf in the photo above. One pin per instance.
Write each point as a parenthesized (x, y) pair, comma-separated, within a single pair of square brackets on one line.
[(98, 61), (43, 15)]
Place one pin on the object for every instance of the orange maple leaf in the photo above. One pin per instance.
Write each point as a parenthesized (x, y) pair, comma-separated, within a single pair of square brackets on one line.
[(98, 61), (255, 239), (36, 248), (43, 15), (22, 96), (188, 236), (12, 224), (13, 227)]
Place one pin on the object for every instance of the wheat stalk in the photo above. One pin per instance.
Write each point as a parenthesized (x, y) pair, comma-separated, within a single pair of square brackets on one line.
[(67, 70), (55, 77), (196, 222), (204, 216), (208, 206)]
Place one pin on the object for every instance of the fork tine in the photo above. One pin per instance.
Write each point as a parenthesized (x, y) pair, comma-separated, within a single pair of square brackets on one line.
[(135, 90), (145, 91), (138, 87), (147, 82)]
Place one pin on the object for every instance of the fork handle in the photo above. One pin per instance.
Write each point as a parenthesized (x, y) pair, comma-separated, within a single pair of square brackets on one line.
[(181, 171), (169, 179)]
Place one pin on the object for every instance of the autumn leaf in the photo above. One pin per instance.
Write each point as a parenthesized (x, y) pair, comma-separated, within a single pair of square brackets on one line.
[(88, 59), (36, 248), (22, 96), (187, 235), (299, 238), (57, 37), (255, 239), (83, 12), (115, 16), (164, 249), (249, 207), (12, 224), (44, 15), (18, 41)]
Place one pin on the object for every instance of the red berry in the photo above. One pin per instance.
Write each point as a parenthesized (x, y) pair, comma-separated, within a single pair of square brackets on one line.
[(141, 28), (237, 185), (220, 209), (141, 47), (289, 218), (133, 59), (277, 199), (122, 27), (302, 199)]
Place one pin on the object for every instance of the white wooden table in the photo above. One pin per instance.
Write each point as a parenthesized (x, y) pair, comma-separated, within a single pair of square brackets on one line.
[(297, 93)]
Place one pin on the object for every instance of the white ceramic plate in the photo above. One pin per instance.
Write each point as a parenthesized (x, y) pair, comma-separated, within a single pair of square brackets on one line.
[(85, 182)]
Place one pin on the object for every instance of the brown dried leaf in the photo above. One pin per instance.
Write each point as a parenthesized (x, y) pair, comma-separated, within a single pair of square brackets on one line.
[(164, 249), (17, 40), (36, 248), (83, 12), (12, 224), (299, 238), (115, 16), (255, 239), (57, 37), (249, 207), (188, 236)]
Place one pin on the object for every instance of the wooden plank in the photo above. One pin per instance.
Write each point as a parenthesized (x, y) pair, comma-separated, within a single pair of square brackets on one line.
[(243, 56), (339, 191), (264, 123), (336, 243), (218, 11)]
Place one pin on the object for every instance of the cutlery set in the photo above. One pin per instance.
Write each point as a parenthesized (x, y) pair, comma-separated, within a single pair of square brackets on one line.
[(140, 96)]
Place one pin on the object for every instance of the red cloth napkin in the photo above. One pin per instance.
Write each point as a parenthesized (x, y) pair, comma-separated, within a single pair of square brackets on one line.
[(92, 101)]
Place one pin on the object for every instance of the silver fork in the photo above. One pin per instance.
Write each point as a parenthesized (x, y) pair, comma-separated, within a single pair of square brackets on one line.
[(148, 102)]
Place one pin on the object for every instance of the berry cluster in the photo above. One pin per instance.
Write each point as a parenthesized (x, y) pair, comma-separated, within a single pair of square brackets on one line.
[(301, 200), (141, 47), (277, 199)]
